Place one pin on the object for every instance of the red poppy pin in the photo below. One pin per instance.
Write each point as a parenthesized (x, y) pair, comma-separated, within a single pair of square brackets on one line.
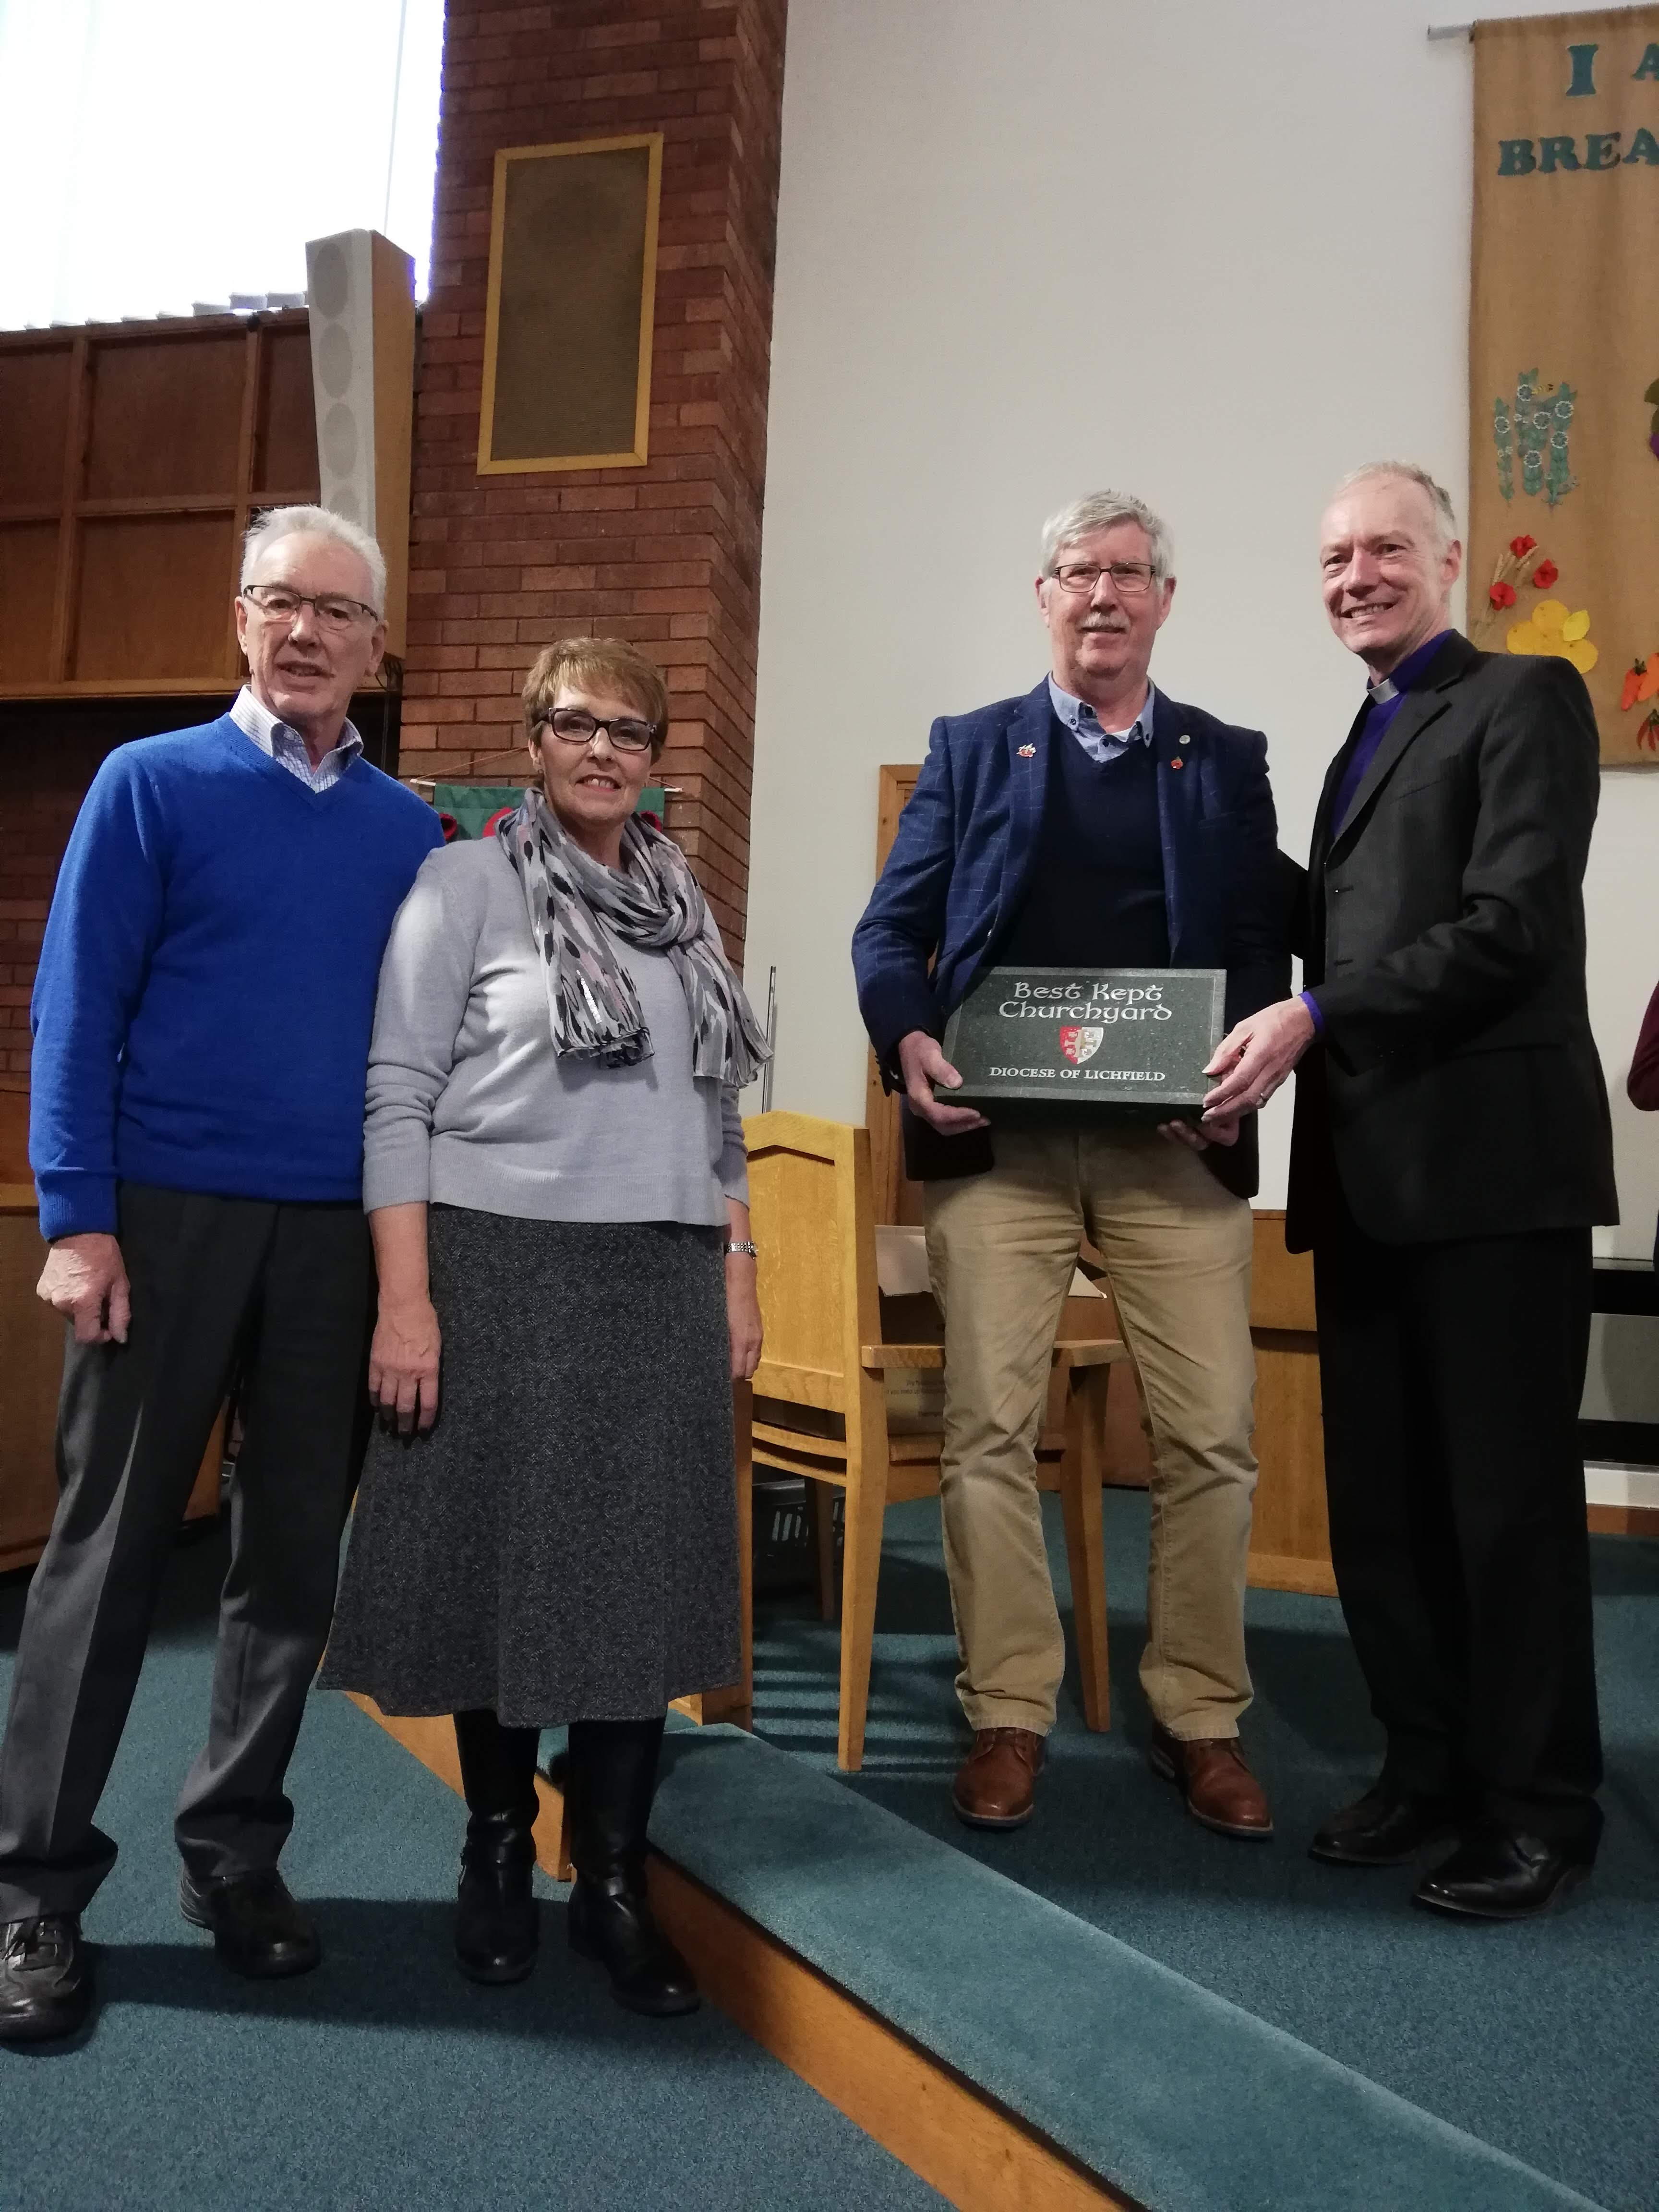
[(1177, 762), (1028, 753)]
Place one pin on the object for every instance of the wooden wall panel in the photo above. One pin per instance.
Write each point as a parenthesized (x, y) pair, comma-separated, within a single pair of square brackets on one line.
[(34, 399), (29, 574), (155, 597), (197, 423), (142, 443), (285, 441)]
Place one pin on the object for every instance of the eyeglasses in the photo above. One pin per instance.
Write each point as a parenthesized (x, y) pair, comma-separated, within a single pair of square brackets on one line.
[(626, 732), (277, 603), (1129, 578)]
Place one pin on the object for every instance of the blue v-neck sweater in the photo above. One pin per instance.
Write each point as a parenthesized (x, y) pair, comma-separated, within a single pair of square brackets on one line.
[(206, 988)]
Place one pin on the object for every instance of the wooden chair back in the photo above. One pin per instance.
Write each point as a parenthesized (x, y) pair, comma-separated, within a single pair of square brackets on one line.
[(810, 1198)]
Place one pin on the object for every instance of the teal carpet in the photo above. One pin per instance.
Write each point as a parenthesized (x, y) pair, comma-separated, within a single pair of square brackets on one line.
[(1542, 2040), (383, 2079)]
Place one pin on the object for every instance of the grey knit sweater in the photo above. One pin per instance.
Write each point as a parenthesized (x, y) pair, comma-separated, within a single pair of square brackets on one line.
[(468, 1105)]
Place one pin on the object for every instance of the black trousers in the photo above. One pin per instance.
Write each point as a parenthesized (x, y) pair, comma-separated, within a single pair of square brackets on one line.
[(1451, 1377), (286, 1289)]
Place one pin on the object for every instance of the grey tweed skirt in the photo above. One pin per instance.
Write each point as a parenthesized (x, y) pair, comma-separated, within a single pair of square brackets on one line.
[(562, 1544)]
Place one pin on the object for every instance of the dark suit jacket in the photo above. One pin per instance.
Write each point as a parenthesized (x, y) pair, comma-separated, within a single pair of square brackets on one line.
[(1458, 1092), (960, 867)]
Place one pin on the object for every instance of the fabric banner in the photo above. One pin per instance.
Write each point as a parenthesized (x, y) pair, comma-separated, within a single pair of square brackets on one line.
[(1563, 357)]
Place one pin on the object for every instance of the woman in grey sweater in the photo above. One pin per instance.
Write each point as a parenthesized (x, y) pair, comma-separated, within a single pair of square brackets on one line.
[(555, 1184)]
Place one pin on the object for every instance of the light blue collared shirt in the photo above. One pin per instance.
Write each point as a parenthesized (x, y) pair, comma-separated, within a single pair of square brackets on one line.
[(1102, 745), (288, 748)]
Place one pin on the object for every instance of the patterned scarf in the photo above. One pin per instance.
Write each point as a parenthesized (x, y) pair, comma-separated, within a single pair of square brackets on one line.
[(576, 903)]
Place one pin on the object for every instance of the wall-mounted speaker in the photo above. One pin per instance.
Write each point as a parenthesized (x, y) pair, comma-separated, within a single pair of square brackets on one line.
[(361, 297)]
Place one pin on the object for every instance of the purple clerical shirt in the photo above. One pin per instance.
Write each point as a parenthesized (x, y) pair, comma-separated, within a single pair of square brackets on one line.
[(1384, 699)]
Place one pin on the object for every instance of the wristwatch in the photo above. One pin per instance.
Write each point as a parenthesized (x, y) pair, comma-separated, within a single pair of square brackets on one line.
[(742, 1244)]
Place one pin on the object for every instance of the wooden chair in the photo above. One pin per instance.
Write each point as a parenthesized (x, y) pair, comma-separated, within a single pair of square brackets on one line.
[(820, 1406)]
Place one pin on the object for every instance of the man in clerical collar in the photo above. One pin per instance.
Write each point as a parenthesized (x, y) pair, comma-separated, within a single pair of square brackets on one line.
[(1092, 824), (1452, 1148)]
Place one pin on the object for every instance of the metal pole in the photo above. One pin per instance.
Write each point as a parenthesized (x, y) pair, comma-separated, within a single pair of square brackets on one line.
[(771, 1039)]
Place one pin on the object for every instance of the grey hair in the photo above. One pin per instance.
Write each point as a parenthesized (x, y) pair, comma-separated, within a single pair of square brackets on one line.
[(278, 522), (1445, 514), (1099, 510)]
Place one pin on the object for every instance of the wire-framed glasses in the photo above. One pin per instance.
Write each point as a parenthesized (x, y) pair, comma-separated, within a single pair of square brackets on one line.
[(332, 610), (1129, 578)]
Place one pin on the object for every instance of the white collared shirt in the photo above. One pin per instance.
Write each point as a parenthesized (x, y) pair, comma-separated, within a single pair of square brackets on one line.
[(279, 742)]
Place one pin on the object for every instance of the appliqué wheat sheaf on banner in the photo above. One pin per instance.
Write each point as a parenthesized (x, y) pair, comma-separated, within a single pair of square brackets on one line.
[(1080, 1044)]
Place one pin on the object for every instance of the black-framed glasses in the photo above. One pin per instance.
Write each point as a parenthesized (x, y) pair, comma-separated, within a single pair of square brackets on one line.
[(627, 733), (1129, 578), (332, 610)]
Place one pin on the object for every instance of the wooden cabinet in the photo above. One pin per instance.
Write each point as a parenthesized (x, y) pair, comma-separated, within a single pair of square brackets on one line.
[(29, 1376)]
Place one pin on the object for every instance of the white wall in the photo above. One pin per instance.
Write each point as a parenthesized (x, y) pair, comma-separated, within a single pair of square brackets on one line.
[(1210, 253)]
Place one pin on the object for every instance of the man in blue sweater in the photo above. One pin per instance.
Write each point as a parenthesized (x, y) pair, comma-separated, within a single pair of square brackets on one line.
[(201, 1019)]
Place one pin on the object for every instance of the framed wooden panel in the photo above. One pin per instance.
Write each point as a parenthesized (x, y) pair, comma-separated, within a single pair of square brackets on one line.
[(153, 602), (131, 456), (28, 579), (573, 274), (34, 399), (141, 443)]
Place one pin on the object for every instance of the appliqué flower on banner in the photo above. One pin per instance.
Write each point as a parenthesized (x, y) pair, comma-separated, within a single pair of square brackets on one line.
[(1554, 629), (1538, 422), (1523, 561)]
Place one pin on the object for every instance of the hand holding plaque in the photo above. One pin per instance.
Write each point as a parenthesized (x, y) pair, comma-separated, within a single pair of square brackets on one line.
[(1127, 1043)]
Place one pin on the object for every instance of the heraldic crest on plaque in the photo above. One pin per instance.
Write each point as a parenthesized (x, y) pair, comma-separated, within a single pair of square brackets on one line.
[(1128, 1043)]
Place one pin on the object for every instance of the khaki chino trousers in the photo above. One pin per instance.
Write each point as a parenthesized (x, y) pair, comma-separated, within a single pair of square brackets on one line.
[(1001, 1248)]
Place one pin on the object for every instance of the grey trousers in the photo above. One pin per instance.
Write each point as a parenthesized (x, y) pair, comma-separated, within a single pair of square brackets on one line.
[(288, 1289)]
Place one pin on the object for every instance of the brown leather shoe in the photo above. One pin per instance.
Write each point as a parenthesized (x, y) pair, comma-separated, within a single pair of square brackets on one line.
[(1218, 1787), (996, 1783)]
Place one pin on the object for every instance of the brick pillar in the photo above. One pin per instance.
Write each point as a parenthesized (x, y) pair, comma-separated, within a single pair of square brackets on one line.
[(667, 554)]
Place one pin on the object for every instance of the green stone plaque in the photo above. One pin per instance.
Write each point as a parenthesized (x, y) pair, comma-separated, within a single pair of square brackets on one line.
[(1131, 1042)]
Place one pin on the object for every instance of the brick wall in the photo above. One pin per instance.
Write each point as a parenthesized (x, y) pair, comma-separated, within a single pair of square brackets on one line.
[(667, 554)]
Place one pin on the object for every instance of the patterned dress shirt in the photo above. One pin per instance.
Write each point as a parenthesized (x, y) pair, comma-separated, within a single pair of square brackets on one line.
[(1102, 745), (280, 742)]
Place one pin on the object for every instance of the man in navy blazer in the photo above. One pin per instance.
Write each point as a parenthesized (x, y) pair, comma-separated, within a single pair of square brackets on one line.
[(1092, 822)]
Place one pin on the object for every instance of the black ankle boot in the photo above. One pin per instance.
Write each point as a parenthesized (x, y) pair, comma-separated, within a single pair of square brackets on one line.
[(496, 1923), (611, 1778)]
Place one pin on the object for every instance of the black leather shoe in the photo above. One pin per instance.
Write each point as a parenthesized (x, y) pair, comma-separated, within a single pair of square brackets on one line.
[(46, 1984), (616, 1926), (1500, 1874), (1384, 1829), (497, 1922), (256, 1927)]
